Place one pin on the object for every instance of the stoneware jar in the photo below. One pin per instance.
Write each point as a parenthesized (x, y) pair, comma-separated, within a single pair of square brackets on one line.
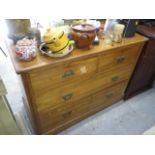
[(83, 35), (26, 49)]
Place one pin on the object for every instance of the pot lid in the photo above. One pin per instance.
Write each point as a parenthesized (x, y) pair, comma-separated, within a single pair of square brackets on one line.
[(52, 33), (25, 42), (83, 27)]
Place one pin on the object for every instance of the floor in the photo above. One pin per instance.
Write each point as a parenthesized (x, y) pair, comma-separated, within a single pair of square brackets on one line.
[(131, 117), (123, 118)]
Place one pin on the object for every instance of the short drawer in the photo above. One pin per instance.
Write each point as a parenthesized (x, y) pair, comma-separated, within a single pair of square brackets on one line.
[(63, 74), (74, 91), (52, 118), (119, 57), (109, 95)]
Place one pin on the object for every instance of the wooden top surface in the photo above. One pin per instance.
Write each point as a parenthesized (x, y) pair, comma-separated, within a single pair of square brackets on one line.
[(43, 60)]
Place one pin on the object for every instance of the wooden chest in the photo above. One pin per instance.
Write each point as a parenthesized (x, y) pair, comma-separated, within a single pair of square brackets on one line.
[(61, 92)]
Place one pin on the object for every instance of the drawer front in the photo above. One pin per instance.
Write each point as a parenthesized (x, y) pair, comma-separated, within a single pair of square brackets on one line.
[(75, 91), (109, 95), (66, 73), (119, 58), (50, 119)]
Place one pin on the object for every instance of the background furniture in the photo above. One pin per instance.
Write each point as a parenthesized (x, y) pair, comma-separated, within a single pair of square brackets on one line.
[(8, 124), (144, 73), (61, 92)]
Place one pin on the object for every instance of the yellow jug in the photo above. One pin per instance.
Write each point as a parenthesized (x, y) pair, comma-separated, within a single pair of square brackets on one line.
[(55, 40)]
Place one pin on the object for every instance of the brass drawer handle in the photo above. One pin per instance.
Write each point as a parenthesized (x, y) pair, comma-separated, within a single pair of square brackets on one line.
[(68, 73), (115, 78), (110, 95), (120, 59), (67, 114), (67, 97)]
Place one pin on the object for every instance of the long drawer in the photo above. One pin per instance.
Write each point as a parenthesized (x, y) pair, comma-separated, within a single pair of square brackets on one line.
[(73, 111), (119, 57), (74, 91), (109, 95), (59, 75), (51, 118)]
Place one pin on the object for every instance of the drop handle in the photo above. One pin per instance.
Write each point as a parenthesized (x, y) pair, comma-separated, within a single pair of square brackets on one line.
[(115, 78), (67, 96), (120, 59), (110, 95), (67, 114), (68, 73)]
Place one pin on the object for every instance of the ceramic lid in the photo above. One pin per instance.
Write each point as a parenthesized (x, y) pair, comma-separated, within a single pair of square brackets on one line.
[(51, 33), (25, 42), (83, 27)]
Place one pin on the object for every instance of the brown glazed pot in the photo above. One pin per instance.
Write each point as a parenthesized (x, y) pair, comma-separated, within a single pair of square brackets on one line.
[(83, 35)]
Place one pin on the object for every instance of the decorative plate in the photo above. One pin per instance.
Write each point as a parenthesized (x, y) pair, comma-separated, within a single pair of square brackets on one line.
[(62, 53)]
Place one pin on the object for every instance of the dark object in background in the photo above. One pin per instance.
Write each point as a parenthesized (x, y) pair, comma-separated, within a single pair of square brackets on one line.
[(144, 73), (34, 33), (18, 28), (130, 27), (18, 36), (147, 22), (96, 41)]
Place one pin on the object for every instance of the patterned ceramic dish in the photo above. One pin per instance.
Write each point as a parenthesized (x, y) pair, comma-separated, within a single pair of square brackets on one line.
[(62, 53)]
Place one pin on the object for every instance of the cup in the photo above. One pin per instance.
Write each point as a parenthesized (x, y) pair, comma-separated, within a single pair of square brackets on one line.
[(108, 37), (118, 32)]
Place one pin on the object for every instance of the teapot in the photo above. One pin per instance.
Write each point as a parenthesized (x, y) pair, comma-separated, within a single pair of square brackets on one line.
[(55, 40)]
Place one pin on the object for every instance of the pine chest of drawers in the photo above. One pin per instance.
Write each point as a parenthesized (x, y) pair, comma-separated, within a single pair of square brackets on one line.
[(61, 92)]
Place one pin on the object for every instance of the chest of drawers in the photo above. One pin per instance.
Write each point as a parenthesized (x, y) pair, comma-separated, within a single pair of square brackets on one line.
[(61, 92)]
